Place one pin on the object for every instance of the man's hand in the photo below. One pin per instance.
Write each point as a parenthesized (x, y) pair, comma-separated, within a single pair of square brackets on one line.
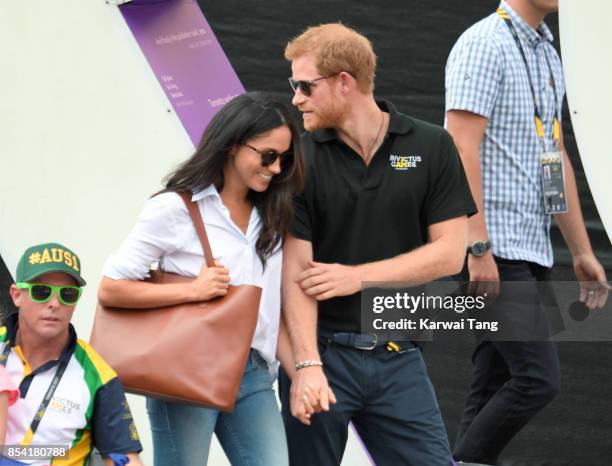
[(484, 276), (310, 393), (324, 281), (594, 287)]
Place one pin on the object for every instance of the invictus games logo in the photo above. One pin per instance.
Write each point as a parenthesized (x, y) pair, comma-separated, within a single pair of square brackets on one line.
[(64, 405), (404, 162)]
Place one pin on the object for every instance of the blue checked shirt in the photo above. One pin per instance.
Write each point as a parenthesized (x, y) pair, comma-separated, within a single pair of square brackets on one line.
[(486, 75)]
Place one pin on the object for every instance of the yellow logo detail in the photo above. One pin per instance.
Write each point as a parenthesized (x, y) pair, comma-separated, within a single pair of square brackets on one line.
[(34, 258), (56, 255), (404, 162), (46, 257), (133, 432)]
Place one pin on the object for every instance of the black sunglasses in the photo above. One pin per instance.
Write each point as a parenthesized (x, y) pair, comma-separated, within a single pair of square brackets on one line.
[(306, 86), (269, 156)]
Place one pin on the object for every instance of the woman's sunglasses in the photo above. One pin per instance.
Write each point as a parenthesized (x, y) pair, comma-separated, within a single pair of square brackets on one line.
[(269, 156), (41, 292), (306, 86)]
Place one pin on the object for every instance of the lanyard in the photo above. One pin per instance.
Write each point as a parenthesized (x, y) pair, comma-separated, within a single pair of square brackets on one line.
[(536, 111), (40, 412)]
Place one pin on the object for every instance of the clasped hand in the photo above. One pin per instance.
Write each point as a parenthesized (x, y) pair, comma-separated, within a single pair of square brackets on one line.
[(310, 393), (323, 281), (211, 282)]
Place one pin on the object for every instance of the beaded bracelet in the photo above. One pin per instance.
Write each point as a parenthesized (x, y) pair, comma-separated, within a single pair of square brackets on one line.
[(307, 363)]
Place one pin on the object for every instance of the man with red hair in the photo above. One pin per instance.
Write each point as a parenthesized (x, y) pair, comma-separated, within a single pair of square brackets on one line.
[(385, 200)]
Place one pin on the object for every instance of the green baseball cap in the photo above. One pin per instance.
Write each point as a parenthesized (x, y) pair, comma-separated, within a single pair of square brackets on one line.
[(48, 257)]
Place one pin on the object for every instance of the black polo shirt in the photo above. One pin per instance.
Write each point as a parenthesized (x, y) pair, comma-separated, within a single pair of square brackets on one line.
[(353, 213)]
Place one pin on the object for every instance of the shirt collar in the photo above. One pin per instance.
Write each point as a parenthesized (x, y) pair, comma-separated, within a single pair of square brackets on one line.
[(219, 215), (12, 325), (206, 192), (398, 123), (525, 30)]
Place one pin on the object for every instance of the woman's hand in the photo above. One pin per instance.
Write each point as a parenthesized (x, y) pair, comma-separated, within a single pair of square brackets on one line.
[(212, 282)]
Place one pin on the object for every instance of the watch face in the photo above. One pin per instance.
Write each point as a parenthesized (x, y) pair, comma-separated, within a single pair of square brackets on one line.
[(479, 248)]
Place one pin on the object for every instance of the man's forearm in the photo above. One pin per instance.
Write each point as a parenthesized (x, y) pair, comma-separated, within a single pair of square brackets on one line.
[(300, 313), (467, 130), (480, 268), (477, 228), (284, 350), (299, 310), (571, 223), (440, 258)]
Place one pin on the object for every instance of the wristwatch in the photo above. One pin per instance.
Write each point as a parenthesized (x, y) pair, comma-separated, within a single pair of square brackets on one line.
[(479, 248)]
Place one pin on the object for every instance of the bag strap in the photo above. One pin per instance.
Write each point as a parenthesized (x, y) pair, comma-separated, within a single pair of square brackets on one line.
[(198, 223)]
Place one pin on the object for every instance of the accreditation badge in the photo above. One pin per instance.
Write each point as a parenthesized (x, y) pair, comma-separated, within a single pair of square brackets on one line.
[(553, 182)]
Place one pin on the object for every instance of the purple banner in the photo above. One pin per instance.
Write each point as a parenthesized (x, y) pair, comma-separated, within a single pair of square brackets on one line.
[(186, 57)]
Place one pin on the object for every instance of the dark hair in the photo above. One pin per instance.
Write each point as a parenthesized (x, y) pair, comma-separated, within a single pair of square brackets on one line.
[(243, 118)]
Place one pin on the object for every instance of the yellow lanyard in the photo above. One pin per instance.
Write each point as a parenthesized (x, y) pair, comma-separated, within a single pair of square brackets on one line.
[(537, 116)]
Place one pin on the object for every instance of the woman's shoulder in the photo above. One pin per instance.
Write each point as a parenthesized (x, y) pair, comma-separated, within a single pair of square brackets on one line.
[(163, 212), (166, 204), (168, 199)]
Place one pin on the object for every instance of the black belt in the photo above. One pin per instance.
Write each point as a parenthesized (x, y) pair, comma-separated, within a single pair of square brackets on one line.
[(366, 342)]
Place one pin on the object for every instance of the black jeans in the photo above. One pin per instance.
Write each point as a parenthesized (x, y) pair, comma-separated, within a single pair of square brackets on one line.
[(513, 380), (390, 400)]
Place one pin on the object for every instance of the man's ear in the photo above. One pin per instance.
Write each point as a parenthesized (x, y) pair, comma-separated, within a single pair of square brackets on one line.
[(16, 295), (347, 82)]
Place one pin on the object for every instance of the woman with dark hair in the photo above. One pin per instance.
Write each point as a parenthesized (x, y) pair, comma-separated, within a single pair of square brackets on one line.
[(242, 176)]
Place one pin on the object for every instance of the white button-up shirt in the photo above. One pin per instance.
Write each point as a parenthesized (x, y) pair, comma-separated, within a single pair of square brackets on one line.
[(164, 233)]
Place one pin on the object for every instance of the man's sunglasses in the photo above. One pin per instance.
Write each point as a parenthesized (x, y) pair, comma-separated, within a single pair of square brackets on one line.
[(306, 86), (41, 292), (269, 156)]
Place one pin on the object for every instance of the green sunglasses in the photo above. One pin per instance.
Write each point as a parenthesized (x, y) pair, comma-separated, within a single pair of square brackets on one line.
[(41, 292)]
